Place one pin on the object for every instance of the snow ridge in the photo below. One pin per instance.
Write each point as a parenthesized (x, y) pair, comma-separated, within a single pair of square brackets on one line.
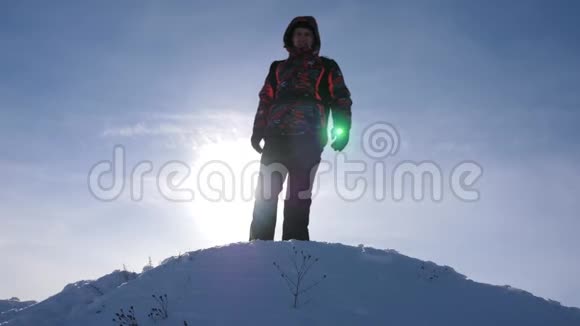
[(241, 283)]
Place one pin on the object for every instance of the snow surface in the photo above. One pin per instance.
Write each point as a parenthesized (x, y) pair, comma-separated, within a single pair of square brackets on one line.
[(238, 284), (8, 308)]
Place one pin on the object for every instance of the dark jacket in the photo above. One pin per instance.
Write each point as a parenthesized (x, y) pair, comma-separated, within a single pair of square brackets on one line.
[(292, 95)]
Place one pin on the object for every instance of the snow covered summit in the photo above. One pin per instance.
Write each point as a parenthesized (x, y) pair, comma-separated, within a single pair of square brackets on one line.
[(293, 283)]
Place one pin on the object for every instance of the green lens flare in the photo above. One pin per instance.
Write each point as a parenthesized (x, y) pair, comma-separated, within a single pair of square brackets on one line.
[(339, 131)]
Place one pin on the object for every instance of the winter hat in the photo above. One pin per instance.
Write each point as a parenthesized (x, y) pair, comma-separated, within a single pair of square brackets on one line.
[(302, 24)]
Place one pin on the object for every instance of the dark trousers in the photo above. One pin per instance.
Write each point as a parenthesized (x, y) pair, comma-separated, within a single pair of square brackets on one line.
[(298, 158)]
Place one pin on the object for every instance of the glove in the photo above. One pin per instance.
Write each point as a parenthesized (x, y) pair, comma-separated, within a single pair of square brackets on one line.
[(255, 139), (340, 141)]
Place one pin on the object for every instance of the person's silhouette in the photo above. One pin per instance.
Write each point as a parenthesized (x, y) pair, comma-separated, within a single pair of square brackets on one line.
[(298, 95)]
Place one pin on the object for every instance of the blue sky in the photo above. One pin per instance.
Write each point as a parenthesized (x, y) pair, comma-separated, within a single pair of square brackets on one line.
[(489, 81)]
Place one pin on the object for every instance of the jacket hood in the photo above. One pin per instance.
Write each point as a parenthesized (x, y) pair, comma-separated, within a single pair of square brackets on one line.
[(311, 21)]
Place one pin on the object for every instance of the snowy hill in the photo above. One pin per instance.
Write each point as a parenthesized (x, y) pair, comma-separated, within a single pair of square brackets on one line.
[(252, 284), (14, 303), (8, 308), (74, 296)]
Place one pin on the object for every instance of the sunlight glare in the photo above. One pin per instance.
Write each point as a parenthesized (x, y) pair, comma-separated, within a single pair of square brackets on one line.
[(222, 220)]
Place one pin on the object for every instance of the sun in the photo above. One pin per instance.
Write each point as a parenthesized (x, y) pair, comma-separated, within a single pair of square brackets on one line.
[(221, 177)]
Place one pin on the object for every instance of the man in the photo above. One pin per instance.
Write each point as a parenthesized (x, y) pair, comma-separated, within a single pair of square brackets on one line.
[(292, 116)]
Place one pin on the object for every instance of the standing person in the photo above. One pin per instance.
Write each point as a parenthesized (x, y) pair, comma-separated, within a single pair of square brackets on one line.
[(292, 117)]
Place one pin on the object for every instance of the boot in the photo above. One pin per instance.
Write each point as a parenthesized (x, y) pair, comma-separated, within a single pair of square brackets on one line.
[(296, 218)]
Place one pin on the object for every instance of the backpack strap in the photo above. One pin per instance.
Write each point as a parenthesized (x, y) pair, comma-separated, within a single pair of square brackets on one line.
[(274, 78), (324, 87)]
